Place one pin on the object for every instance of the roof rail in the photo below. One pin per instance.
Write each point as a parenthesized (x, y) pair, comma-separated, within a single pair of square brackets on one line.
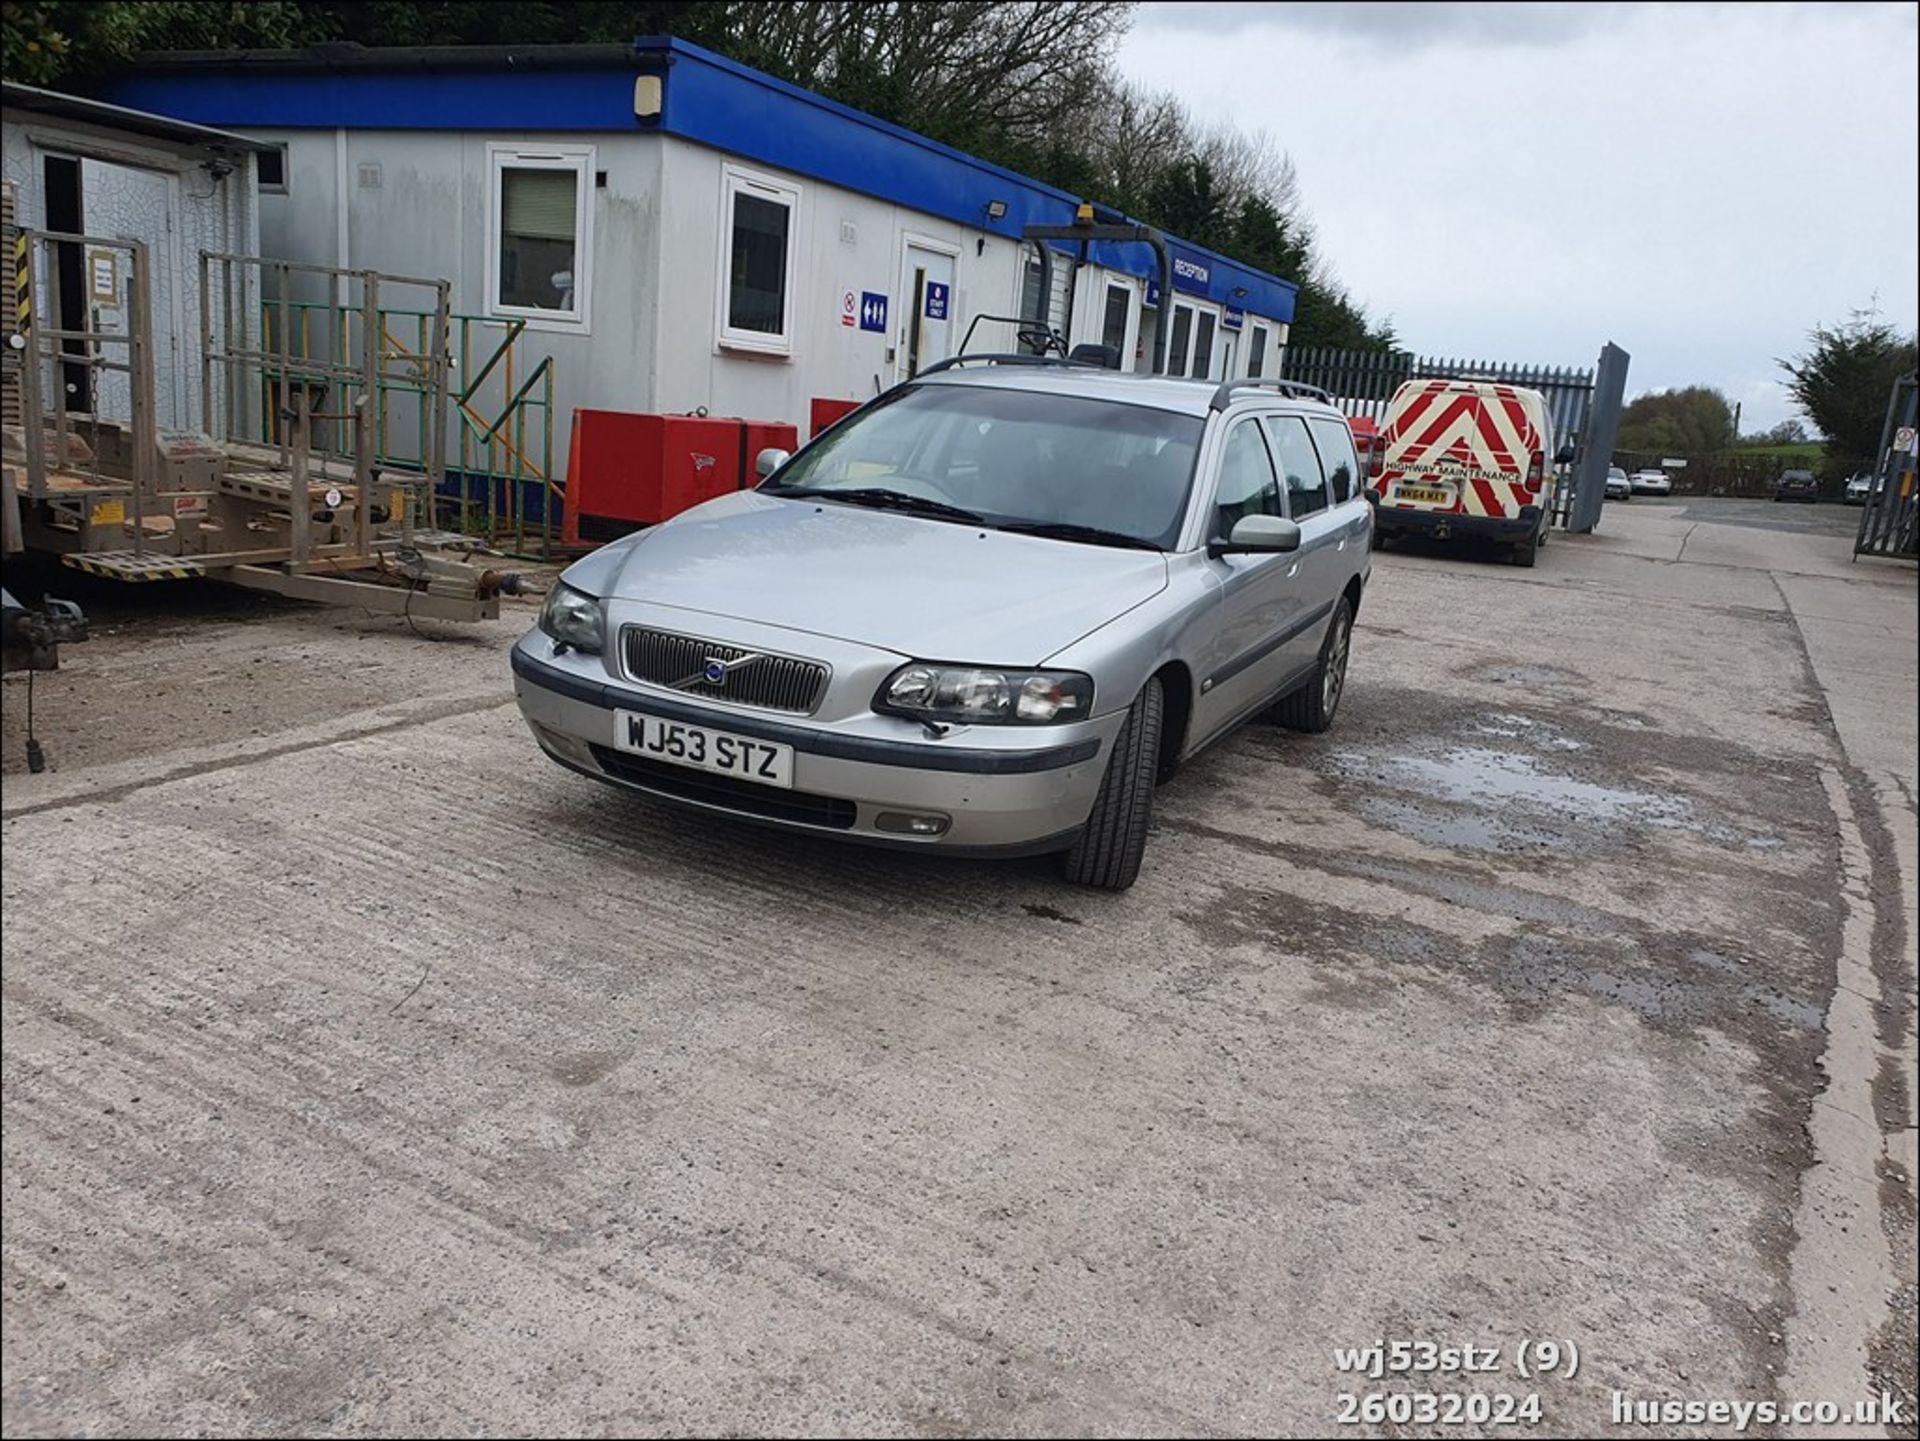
[(983, 358), (1292, 389)]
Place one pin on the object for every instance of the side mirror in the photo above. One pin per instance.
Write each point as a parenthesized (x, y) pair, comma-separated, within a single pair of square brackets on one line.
[(1257, 535), (770, 460), (1565, 456)]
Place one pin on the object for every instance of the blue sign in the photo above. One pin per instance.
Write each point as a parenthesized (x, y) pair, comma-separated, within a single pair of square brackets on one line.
[(1153, 294), (1231, 317), (936, 300), (873, 311)]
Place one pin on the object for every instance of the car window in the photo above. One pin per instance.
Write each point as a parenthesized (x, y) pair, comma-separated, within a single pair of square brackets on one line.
[(1299, 465), (1334, 441), (1247, 483), (1015, 456)]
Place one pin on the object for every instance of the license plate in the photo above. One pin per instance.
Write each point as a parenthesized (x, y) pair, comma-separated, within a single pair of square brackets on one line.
[(677, 743), (1424, 494)]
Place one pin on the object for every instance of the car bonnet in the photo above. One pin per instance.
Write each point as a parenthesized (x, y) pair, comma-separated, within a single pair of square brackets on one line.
[(927, 589)]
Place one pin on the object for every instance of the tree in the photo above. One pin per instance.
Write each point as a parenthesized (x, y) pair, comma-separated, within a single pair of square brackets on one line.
[(71, 41), (1696, 420), (1787, 432), (1843, 382)]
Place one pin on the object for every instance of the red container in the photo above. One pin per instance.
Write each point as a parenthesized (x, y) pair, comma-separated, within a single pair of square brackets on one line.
[(824, 412), (626, 470)]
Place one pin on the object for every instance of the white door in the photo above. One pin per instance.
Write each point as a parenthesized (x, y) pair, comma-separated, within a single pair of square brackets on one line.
[(1120, 320), (125, 203), (924, 332)]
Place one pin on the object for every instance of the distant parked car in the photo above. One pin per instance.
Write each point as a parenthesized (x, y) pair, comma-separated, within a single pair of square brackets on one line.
[(1650, 482), (1619, 487), (1797, 485), (1859, 487)]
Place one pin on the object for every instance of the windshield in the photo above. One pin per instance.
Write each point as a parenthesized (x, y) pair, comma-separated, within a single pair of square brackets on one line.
[(1013, 457)]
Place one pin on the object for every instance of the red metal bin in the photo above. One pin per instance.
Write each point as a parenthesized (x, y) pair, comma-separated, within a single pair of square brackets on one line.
[(626, 470)]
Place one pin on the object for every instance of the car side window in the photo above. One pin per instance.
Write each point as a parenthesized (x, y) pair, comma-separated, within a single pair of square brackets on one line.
[(1335, 443), (1247, 483), (1299, 464)]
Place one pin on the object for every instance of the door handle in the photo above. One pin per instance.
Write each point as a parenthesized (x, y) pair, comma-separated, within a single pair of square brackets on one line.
[(1293, 570)]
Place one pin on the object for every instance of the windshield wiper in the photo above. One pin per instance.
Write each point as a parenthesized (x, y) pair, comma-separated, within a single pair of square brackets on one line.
[(882, 499), (1062, 530)]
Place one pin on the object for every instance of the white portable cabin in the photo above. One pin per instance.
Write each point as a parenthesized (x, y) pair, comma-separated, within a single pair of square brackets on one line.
[(679, 231)]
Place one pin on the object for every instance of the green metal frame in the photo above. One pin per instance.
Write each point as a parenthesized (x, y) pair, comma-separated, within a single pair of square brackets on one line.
[(500, 460)]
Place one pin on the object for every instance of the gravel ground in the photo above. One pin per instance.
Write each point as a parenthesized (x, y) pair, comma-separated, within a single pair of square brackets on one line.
[(366, 1073)]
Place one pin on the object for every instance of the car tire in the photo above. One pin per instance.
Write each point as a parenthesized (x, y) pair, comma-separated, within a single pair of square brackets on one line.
[(1107, 854), (1312, 707)]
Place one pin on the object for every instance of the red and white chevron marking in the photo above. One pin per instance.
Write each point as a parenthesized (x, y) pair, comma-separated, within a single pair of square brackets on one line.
[(1478, 442)]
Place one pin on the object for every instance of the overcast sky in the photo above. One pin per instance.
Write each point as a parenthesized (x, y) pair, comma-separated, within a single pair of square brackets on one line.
[(1699, 183)]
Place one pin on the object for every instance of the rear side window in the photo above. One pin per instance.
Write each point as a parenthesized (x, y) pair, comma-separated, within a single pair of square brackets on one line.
[(1247, 485), (1299, 465), (1335, 443)]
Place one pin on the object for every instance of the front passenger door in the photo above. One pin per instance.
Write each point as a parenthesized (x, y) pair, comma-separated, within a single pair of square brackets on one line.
[(1318, 571), (1243, 660)]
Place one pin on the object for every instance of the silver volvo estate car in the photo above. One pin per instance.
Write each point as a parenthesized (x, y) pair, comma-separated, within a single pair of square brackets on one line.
[(986, 613)]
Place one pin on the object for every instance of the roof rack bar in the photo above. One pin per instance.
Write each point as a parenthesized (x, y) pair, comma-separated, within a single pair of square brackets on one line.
[(984, 358), (1292, 389)]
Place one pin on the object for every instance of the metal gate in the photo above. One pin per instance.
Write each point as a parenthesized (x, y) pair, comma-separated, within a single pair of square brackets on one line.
[(1888, 523), (1362, 382)]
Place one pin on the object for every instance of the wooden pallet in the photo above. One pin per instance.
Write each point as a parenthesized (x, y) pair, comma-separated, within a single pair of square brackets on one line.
[(125, 565)]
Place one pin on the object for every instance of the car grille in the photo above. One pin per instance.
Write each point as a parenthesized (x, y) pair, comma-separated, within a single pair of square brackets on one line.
[(744, 797), (773, 682)]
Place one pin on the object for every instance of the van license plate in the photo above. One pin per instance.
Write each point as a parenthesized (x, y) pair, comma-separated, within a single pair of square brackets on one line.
[(763, 762), (1425, 495)]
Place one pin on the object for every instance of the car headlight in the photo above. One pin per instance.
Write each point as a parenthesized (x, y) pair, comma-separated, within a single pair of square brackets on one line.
[(573, 618), (981, 695)]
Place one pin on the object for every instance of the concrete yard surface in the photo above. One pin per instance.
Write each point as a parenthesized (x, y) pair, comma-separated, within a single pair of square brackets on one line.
[(367, 1073)]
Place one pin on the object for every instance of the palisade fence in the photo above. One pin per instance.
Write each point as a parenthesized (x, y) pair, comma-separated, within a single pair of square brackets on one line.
[(1361, 382)]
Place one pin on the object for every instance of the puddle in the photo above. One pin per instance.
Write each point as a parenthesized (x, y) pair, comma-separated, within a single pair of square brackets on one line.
[(1471, 775), (1506, 784)]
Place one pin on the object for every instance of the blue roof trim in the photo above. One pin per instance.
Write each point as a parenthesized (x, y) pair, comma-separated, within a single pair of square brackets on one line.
[(529, 100), (709, 100)]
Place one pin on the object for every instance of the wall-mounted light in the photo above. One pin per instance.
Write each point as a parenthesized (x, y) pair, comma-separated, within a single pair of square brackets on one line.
[(647, 97), (996, 210), (1239, 292)]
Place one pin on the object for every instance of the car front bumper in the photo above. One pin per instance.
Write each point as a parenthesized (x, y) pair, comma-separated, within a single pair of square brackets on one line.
[(1391, 519), (1001, 791)]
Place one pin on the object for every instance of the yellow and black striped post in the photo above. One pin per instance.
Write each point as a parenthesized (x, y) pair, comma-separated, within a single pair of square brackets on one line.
[(22, 287)]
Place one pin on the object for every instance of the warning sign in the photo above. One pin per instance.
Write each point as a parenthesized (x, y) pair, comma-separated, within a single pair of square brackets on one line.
[(1903, 440), (849, 308)]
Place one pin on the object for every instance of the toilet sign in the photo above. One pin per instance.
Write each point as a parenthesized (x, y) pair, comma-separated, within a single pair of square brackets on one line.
[(936, 300), (873, 311), (849, 308)]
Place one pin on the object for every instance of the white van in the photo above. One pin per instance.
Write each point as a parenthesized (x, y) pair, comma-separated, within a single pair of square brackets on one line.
[(1470, 458)]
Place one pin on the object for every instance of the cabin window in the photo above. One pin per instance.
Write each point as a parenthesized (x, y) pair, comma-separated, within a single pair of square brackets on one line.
[(272, 166), (540, 233), (1257, 352), (756, 299)]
